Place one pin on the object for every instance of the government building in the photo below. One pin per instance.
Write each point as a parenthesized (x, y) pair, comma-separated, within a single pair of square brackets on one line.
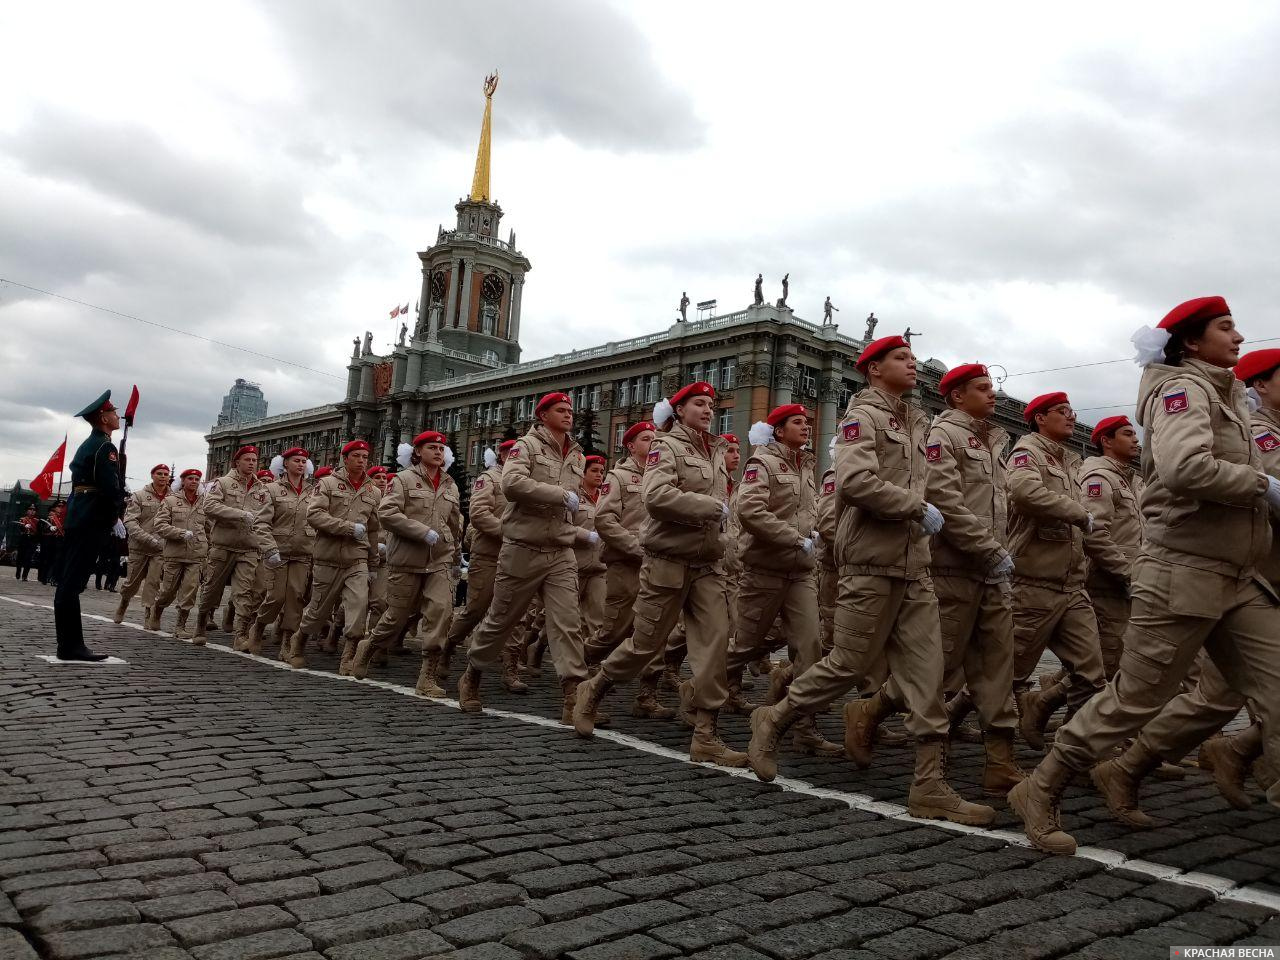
[(460, 372)]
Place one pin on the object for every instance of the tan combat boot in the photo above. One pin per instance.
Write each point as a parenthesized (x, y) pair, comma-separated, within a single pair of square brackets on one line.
[(348, 656), (152, 621), (297, 650), (1230, 759), (686, 712), (647, 704), (706, 745), (569, 688), (446, 658), (807, 740), (202, 628), (958, 708), (240, 642), (1118, 781), (1000, 771), (1036, 802), (779, 682), (229, 618), (429, 676), (510, 672), (256, 638), (360, 660), (121, 607), (329, 642), (1035, 707), (180, 630), (587, 706), (736, 702), (861, 720), (670, 671), (768, 724), (469, 691), (932, 798)]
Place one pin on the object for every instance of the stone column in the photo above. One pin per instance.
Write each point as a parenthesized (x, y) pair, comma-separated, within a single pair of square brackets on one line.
[(464, 308), (829, 412), (450, 316), (413, 370), (513, 320), (399, 367), (353, 381), (366, 382)]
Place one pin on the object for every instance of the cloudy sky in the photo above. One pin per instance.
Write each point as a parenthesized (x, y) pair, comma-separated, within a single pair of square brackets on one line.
[(1025, 187)]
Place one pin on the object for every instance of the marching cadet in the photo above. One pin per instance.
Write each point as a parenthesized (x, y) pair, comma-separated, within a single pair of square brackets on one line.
[(378, 567), (540, 480), (619, 519), (93, 511), (487, 508), (421, 515), (1047, 529), (828, 574), (231, 506), (1195, 582), (180, 523), (685, 491), (144, 546), (343, 512), (886, 604), (776, 507), (588, 552), (286, 539), (970, 568)]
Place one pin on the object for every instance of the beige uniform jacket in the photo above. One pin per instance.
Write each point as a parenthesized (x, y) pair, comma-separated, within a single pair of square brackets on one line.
[(1203, 503), (776, 509), (881, 482), (1045, 515), (589, 556), (175, 517), (826, 519), (335, 509), (1111, 493), (225, 503), (733, 533), (1265, 426), (535, 478), (413, 505), (140, 520), (620, 513), (282, 524), (685, 492), (967, 485), (487, 508)]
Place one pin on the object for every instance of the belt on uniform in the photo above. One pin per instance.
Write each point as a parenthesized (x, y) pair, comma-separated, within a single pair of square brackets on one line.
[(84, 488)]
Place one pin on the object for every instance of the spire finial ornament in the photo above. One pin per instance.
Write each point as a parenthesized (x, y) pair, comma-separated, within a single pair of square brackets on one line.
[(480, 182)]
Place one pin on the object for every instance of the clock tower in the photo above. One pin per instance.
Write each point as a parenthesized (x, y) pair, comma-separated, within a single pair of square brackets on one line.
[(472, 280)]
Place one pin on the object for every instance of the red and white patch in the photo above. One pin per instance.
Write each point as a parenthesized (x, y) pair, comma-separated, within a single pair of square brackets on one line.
[(515, 453), (852, 430), (635, 478), (112, 455), (975, 443), (893, 423), (479, 484), (1175, 401), (654, 457), (1267, 442), (828, 488), (342, 486), (933, 452), (751, 475), (1093, 489), (1021, 460), (782, 467), (1052, 462), (604, 488)]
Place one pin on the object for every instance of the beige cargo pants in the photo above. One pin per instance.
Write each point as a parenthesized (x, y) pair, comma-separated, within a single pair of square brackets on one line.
[(240, 570), (481, 572), (1065, 623), (145, 570), (178, 583), (331, 587), (282, 593), (430, 594), (763, 597)]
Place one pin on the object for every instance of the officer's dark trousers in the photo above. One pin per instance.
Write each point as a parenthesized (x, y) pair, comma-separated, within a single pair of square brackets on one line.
[(80, 550)]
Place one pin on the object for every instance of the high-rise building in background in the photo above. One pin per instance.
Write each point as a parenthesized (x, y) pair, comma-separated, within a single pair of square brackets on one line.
[(243, 402)]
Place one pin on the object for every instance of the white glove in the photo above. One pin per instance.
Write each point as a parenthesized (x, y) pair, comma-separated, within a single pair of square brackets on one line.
[(156, 542), (932, 520), (119, 530), (360, 531), (592, 538), (571, 501), (807, 546), (274, 560), (1001, 569), (724, 512), (817, 538), (1273, 493), (188, 535), (250, 516), (431, 537), (1088, 523), (382, 550)]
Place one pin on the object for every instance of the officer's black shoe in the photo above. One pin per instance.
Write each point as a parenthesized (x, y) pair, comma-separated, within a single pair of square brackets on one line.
[(83, 655)]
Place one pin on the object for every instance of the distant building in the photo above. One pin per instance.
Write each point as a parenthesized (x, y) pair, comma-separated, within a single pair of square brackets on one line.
[(243, 402)]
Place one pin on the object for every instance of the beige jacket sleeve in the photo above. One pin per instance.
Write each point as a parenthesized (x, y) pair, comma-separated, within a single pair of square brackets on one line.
[(859, 483), (609, 521), (455, 527), (1029, 495), (216, 507), (1182, 445), (664, 499), (1099, 544), (754, 514), (264, 527), (483, 502), (164, 522), (133, 522), (518, 483), (961, 528), (827, 514), (391, 513), (321, 519)]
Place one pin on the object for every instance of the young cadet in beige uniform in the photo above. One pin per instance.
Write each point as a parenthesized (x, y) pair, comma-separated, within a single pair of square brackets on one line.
[(588, 551), (1195, 582), (180, 522), (686, 489), (231, 506), (970, 568), (286, 540), (828, 574), (540, 481), (378, 566), (145, 547), (1047, 529), (886, 606), (421, 516), (777, 511), (487, 508), (344, 514)]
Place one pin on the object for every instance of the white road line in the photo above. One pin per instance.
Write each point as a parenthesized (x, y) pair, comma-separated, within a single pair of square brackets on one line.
[(1221, 887)]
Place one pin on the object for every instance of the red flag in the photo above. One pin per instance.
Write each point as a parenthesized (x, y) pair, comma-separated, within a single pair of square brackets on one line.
[(396, 312), (42, 485), (132, 406), (405, 309)]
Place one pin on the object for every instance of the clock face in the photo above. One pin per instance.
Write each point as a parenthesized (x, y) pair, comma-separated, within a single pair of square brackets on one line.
[(437, 285), (492, 288)]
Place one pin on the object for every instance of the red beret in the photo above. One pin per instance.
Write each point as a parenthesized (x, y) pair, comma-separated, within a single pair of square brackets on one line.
[(729, 438), (431, 436), (699, 389), (323, 472), (1042, 403), (376, 471), (779, 415), (192, 472), (595, 458), (959, 376), (635, 430), (266, 475), (160, 466), (878, 348), (1201, 308), (250, 448), (1109, 425), (353, 445), (1257, 363), (294, 452), (551, 399), (506, 445)]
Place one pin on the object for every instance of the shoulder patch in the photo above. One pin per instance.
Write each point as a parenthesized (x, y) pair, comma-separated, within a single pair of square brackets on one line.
[(751, 475), (893, 423), (1094, 489), (1052, 461), (654, 457), (1175, 401), (635, 478), (112, 456), (828, 488), (604, 488), (975, 443), (1267, 442), (933, 452), (852, 430), (782, 468), (479, 484), (515, 452), (1022, 460)]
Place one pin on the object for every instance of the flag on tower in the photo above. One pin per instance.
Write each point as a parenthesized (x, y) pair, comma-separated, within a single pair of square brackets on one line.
[(395, 311), (405, 310)]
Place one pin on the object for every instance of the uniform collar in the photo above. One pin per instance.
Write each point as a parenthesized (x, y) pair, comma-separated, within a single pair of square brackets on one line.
[(1269, 416), (705, 443)]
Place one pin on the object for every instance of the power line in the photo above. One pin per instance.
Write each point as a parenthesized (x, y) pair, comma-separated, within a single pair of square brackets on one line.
[(1098, 363), (177, 330)]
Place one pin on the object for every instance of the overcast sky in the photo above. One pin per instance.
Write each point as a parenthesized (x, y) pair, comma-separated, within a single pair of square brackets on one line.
[(1025, 185)]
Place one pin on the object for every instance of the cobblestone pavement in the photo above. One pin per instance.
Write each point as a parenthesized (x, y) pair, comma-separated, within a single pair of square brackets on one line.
[(197, 803)]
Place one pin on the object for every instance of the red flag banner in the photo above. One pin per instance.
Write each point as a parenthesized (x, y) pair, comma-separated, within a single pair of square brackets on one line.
[(132, 407), (42, 485), (396, 312)]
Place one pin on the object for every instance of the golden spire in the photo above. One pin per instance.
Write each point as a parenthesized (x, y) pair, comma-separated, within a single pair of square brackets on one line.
[(480, 182)]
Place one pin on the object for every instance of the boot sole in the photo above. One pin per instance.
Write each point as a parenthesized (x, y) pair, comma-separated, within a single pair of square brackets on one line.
[(935, 813), (721, 761), (1021, 814), (768, 775)]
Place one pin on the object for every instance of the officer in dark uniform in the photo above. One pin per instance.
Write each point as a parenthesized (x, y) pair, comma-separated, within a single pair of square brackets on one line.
[(94, 509)]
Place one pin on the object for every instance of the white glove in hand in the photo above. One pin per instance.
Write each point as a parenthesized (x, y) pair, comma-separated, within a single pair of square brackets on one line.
[(807, 546), (250, 516), (360, 531), (932, 520), (382, 550), (1273, 493), (817, 538), (724, 512), (571, 501), (592, 538), (431, 537), (274, 560), (1001, 569), (119, 530), (188, 535)]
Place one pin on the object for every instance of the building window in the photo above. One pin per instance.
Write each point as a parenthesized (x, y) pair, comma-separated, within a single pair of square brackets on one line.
[(713, 371), (624, 393), (728, 379), (651, 389), (695, 372), (595, 396), (724, 421), (474, 456), (618, 433), (808, 381)]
